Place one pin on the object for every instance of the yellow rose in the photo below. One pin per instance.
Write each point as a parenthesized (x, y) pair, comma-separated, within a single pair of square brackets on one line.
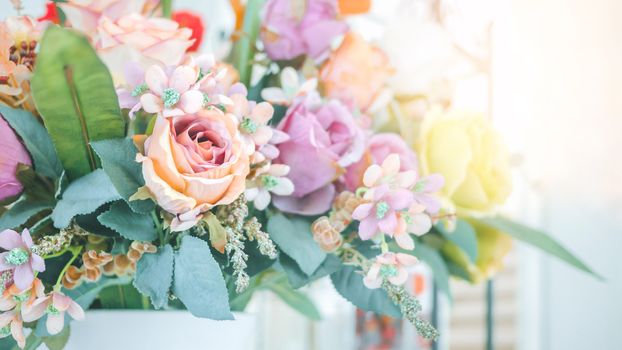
[(194, 162), (468, 152)]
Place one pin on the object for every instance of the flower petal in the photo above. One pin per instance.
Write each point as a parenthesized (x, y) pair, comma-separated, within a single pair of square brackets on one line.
[(284, 187), (23, 276), (10, 239), (37, 263), (362, 211), (55, 323), (182, 78), (156, 79), (372, 175), (391, 165), (151, 103), (404, 241), (388, 224), (191, 101)]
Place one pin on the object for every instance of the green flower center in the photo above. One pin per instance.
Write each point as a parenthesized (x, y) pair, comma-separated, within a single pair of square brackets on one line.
[(139, 90), (248, 126), (52, 310), (22, 297), (269, 181), (381, 209), (170, 97), (420, 186), (17, 256), (388, 271), (5, 331), (206, 99)]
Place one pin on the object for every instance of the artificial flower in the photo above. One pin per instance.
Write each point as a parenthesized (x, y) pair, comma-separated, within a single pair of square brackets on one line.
[(390, 266), (291, 87), (55, 305), (84, 15), (253, 118), (354, 7), (357, 73), (51, 13), (193, 21), (301, 27), (474, 164), (324, 140), (171, 94), (388, 173), (147, 41), (425, 192), (272, 179), (12, 154), (380, 213), (11, 323), (194, 162), (270, 150), (26, 297), (129, 93), (327, 233), (414, 221), (19, 258)]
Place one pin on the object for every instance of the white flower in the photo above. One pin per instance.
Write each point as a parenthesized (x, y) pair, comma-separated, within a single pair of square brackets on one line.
[(291, 87), (270, 179)]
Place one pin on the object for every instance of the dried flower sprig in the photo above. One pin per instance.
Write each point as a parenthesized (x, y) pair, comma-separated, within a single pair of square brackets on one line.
[(410, 308), (252, 227), (235, 252)]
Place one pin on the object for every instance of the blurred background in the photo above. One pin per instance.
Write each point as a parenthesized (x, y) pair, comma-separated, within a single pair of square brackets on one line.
[(548, 73)]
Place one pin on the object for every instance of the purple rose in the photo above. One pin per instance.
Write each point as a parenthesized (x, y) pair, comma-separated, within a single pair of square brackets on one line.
[(12, 153), (293, 28), (324, 140)]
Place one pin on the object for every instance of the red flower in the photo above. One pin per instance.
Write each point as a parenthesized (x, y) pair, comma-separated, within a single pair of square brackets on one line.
[(191, 20), (51, 13)]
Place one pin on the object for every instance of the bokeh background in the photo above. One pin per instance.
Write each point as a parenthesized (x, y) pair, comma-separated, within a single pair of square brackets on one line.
[(549, 75)]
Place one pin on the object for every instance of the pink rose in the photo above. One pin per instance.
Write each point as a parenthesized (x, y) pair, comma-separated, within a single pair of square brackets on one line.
[(379, 147), (294, 28), (147, 41), (12, 153), (85, 14), (324, 140)]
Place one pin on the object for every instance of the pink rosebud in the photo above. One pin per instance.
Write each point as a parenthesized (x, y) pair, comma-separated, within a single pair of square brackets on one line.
[(12, 153)]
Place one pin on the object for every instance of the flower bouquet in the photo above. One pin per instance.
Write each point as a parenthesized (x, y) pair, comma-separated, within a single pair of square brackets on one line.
[(134, 168)]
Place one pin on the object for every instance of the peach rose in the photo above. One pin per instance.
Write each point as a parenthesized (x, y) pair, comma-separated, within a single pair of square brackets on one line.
[(148, 41), (85, 14), (356, 72), (194, 162)]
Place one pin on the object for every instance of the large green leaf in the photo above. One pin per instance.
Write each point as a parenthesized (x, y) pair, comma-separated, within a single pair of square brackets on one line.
[(349, 283), (36, 139), (294, 237), (198, 281), (244, 48), (538, 239), (463, 236), (123, 297), (21, 211), (295, 299), (131, 225), (118, 158), (84, 196), (73, 91), (297, 278), (154, 275), (439, 269)]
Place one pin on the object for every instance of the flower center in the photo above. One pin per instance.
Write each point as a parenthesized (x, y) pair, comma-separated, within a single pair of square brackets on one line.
[(269, 182), (381, 209), (170, 97), (419, 186), (17, 256), (52, 310), (206, 99), (248, 125), (22, 297), (139, 90), (388, 271), (5, 331)]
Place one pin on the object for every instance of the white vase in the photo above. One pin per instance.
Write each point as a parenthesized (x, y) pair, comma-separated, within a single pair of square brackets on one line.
[(160, 330)]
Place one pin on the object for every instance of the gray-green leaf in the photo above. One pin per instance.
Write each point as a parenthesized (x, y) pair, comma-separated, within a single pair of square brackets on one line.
[(463, 236), (84, 196), (21, 211), (154, 275), (131, 225), (198, 281), (295, 299)]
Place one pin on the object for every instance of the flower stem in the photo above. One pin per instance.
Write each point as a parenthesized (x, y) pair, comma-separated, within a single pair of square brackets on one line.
[(167, 8), (383, 244), (75, 250)]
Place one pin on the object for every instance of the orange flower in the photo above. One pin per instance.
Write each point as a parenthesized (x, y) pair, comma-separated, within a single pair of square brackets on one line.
[(356, 72), (354, 7)]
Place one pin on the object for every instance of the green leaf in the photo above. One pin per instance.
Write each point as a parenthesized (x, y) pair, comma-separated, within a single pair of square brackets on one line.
[(58, 341), (439, 269), (36, 139), (349, 283), (131, 225), (121, 297), (298, 279), (295, 299), (32, 342), (463, 236), (294, 237), (21, 211), (118, 158), (539, 240), (74, 93), (244, 48), (198, 281), (154, 275), (84, 196)]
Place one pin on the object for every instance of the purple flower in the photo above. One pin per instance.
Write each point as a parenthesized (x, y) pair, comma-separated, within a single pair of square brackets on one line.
[(19, 257), (12, 153), (293, 28), (380, 213)]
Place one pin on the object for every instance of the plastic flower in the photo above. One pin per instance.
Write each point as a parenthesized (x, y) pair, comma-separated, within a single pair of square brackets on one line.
[(270, 150), (415, 221), (19, 257), (11, 323), (13, 296), (12, 153), (291, 87), (51, 13), (380, 213), (171, 94), (391, 266), (54, 305), (272, 179), (129, 93), (84, 15), (424, 189), (389, 174), (253, 118), (193, 21)]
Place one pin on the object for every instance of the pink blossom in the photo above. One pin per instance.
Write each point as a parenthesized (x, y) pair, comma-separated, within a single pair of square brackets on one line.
[(380, 213), (11, 323), (414, 221), (253, 118), (424, 189), (324, 139), (85, 14), (19, 257), (391, 266), (173, 93), (12, 153), (13, 296), (268, 179), (54, 305), (294, 28), (129, 93)]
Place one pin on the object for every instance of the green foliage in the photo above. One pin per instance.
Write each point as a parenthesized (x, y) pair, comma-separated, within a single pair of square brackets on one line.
[(122, 297), (118, 158), (295, 299), (84, 196), (36, 139), (463, 236), (293, 236), (349, 283), (297, 278), (58, 341), (244, 48), (154, 275), (537, 239), (131, 225), (74, 93), (198, 281), (21, 211)]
